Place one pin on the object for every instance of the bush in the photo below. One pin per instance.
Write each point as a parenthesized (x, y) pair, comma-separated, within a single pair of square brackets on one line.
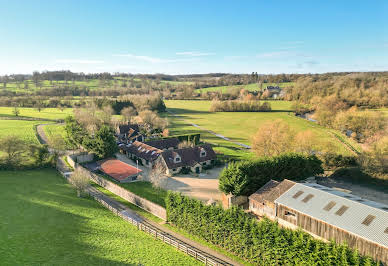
[(244, 178), (260, 242), (333, 160)]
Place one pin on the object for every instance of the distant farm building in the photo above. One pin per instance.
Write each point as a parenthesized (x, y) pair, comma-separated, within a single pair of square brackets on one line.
[(326, 213)]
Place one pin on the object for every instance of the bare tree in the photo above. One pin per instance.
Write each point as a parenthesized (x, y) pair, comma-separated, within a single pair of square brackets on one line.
[(273, 138), (128, 113), (80, 181), (16, 110), (158, 176)]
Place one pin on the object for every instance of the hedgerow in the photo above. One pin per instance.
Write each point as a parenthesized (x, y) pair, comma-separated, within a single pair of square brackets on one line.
[(245, 177), (260, 242)]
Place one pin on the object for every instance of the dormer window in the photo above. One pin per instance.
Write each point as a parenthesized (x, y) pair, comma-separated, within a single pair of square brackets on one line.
[(177, 159), (203, 153)]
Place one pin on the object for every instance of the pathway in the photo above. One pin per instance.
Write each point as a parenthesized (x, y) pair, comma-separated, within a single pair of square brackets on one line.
[(212, 132)]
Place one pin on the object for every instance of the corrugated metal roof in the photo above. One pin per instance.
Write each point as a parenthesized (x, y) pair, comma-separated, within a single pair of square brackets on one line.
[(350, 220)]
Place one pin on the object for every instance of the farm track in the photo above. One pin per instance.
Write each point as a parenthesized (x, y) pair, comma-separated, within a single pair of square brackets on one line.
[(211, 132)]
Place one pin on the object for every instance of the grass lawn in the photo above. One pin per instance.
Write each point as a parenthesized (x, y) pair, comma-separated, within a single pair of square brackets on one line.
[(239, 126), (249, 87), (46, 113), (24, 129), (145, 190), (54, 130), (44, 223)]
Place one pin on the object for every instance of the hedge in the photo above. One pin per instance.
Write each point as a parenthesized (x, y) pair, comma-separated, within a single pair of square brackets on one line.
[(246, 177), (194, 138), (261, 242)]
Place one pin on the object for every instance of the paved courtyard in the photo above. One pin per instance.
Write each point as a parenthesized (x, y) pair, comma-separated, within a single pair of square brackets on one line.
[(203, 186)]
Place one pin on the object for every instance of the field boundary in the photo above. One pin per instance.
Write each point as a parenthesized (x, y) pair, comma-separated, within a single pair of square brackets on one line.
[(150, 229)]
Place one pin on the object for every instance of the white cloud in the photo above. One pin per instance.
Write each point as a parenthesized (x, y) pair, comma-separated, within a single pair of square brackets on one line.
[(192, 53), (153, 60), (78, 61)]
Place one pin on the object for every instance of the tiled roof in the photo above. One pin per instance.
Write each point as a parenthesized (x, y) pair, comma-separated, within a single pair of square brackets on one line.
[(163, 143), (142, 150), (123, 129), (272, 190), (361, 217), (189, 156)]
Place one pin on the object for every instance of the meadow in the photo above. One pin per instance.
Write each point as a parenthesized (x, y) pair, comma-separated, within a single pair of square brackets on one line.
[(44, 223), (46, 84), (45, 113), (249, 87), (240, 126), (21, 128)]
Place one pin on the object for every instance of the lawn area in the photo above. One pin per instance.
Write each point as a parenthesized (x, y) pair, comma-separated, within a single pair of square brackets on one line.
[(249, 87), (53, 130), (46, 84), (22, 128), (46, 113), (145, 190), (239, 126), (44, 223)]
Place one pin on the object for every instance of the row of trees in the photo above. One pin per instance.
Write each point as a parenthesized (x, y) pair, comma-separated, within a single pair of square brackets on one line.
[(356, 89), (246, 177), (259, 242), (239, 106)]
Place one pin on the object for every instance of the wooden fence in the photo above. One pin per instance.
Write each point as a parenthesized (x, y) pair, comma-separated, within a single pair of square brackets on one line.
[(161, 236)]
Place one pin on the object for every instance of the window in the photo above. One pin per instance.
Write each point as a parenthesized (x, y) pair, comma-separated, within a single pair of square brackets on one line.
[(329, 206), (177, 159), (307, 198), (174, 170), (368, 220), (297, 194), (289, 214), (203, 154), (341, 210)]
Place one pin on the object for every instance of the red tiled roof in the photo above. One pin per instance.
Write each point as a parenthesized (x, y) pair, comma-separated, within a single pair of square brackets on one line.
[(118, 169)]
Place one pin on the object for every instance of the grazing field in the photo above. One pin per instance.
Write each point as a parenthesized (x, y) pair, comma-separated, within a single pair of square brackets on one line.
[(249, 87), (46, 84), (46, 113), (21, 128), (44, 223), (239, 126)]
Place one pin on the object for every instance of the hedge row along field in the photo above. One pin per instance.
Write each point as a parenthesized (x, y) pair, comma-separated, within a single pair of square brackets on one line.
[(245, 177), (260, 242)]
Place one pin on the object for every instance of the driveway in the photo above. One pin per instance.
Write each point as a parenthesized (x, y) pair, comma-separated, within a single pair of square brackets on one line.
[(203, 187)]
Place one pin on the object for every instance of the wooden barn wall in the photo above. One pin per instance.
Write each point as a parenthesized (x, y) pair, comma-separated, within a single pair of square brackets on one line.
[(329, 232)]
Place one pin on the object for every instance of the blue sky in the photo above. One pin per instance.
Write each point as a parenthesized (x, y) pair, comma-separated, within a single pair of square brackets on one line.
[(178, 37)]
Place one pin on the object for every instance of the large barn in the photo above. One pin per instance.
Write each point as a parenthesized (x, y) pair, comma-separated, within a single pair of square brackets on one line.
[(326, 213)]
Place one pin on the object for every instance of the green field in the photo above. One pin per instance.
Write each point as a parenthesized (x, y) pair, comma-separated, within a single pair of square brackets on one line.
[(238, 126), (46, 84), (44, 223), (249, 87), (46, 113), (24, 129)]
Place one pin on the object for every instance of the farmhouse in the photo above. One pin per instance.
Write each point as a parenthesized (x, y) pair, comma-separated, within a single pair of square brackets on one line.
[(141, 151), (326, 213), (193, 158), (129, 133)]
